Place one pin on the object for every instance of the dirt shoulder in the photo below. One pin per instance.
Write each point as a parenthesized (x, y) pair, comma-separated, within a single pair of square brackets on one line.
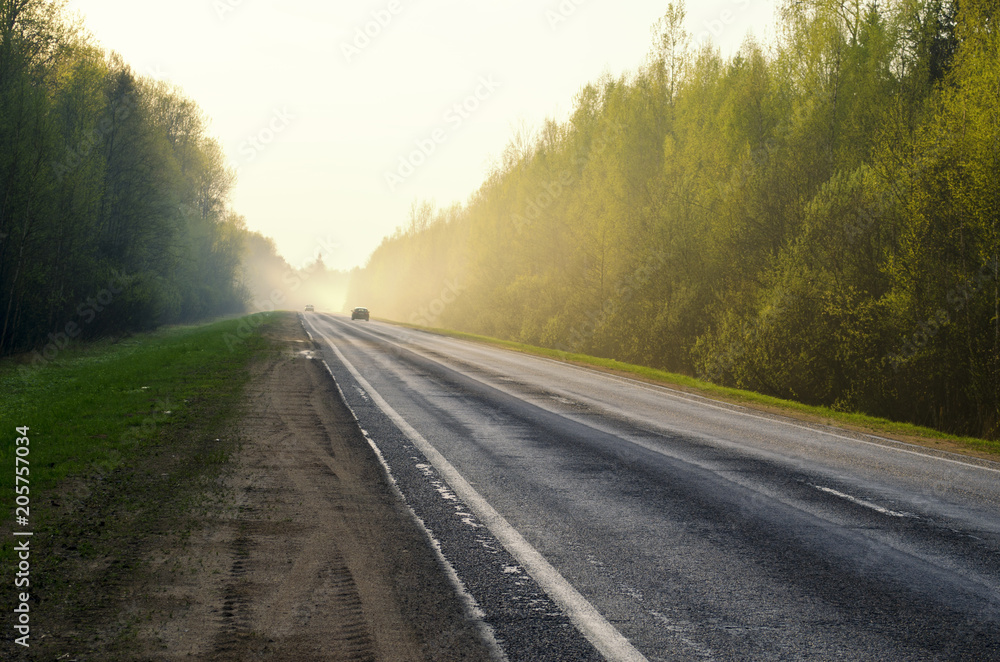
[(310, 554), (266, 529)]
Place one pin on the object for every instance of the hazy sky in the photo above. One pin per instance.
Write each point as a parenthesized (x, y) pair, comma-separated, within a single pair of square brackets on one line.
[(340, 115)]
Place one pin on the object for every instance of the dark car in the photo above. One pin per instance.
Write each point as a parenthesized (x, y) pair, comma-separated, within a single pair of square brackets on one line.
[(309, 308), (360, 314)]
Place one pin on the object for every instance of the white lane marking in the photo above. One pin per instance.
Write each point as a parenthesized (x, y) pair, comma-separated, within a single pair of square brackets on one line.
[(705, 401), (472, 608), (861, 502), (604, 636)]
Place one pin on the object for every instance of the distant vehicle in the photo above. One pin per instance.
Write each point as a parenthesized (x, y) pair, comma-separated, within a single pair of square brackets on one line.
[(360, 314), (309, 308)]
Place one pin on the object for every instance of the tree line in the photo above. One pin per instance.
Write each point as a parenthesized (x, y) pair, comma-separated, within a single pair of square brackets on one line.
[(815, 219), (114, 207)]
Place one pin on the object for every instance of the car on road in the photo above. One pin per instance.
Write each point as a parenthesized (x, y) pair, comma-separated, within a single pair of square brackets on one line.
[(309, 308), (360, 313)]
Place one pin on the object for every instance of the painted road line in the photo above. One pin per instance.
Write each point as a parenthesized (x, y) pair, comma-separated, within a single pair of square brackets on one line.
[(604, 636), (861, 502)]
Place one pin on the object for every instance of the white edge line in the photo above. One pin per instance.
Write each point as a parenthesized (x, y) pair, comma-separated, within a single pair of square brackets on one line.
[(472, 609), (604, 636)]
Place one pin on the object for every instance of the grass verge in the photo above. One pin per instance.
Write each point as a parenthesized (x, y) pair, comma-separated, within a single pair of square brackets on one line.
[(824, 415), (124, 438)]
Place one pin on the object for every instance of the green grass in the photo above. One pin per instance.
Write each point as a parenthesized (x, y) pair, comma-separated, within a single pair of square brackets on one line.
[(96, 404), (129, 441), (864, 422)]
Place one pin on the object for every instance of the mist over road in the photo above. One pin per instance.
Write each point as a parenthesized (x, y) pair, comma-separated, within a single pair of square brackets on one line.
[(588, 514)]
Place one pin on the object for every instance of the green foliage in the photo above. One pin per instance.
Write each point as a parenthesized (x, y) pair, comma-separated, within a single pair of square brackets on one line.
[(107, 181), (817, 220)]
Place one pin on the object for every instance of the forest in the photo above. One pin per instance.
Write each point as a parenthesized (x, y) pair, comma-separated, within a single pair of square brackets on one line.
[(114, 201), (814, 218)]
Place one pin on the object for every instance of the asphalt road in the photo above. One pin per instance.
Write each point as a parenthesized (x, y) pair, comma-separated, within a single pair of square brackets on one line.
[(588, 515)]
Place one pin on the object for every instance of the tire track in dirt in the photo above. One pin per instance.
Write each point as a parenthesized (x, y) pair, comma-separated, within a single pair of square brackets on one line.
[(312, 556)]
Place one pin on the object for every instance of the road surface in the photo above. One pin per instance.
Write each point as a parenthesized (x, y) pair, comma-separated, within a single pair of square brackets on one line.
[(589, 516)]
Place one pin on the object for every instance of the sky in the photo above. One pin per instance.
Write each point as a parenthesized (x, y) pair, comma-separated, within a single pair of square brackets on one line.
[(338, 116)]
